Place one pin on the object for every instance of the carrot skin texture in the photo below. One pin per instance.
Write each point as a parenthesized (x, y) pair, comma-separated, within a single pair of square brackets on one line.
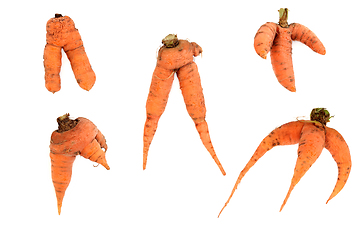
[(101, 140), (81, 67), (65, 146), (286, 134), (264, 38), (311, 144), (191, 89), (190, 85), (278, 40), (177, 57), (160, 87), (281, 59), (307, 37), (94, 153), (62, 34), (61, 171), (339, 150), (179, 60), (52, 65)]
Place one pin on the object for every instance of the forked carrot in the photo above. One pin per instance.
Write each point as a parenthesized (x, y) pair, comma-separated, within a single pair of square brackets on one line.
[(277, 38), (73, 137), (62, 34), (176, 57), (312, 135)]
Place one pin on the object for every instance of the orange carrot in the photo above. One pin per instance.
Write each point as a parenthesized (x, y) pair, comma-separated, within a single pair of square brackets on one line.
[(312, 135), (339, 150), (62, 34), (287, 134), (311, 144), (176, 56), (73, 137), (264, 38), (277, 38)]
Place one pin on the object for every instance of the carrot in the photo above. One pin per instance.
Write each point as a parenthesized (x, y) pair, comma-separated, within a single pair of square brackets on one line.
[(73, 137), (339, 150), (311, 144), (176, 57), (277, 38), (62, 34), (287, 134), (312, 135)]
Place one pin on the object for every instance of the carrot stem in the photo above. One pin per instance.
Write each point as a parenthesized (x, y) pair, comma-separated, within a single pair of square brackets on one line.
[(320, 115), (65, 123), (283, 17), (170, 41)]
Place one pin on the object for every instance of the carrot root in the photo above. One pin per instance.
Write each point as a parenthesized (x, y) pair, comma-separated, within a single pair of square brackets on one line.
[(311, 144), (202, 128), (286, 134), (73, 137), (61, 171), (62, 34), (52, 65), (277, 38), (81, 67), (94, 153), (264, 38), (149, 132), (176, 56), (338, 148)]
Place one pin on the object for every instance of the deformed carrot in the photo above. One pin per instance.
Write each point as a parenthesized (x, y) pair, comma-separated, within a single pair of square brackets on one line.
[(311, 144), (62, 34), (176, 57), (277, 39), (287, 134), (312, 135), (73, 137), (336, 145)]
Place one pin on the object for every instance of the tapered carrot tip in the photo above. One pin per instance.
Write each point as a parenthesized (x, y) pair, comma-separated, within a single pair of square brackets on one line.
[(104, 163), (59, 208), (292, 89), (107, 167), (88, 82), (219, 165), (287, 196), (329, 199), (202, 128), (263, 54), (144, 160)]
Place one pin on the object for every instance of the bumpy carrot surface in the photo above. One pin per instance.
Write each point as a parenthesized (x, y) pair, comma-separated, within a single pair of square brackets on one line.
[(74, 137), (62, 34), (277, 38), (176, 57), (312, 135)]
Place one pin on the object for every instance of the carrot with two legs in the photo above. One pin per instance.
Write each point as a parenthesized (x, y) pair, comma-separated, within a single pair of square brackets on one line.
[(62, 34), (176, 57), (312, 135)]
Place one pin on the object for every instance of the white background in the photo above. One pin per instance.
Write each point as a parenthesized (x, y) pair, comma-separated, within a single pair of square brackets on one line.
[(181, 192)]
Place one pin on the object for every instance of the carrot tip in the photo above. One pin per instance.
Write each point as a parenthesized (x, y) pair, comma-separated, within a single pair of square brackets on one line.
[(292, 89), (106, 166)]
